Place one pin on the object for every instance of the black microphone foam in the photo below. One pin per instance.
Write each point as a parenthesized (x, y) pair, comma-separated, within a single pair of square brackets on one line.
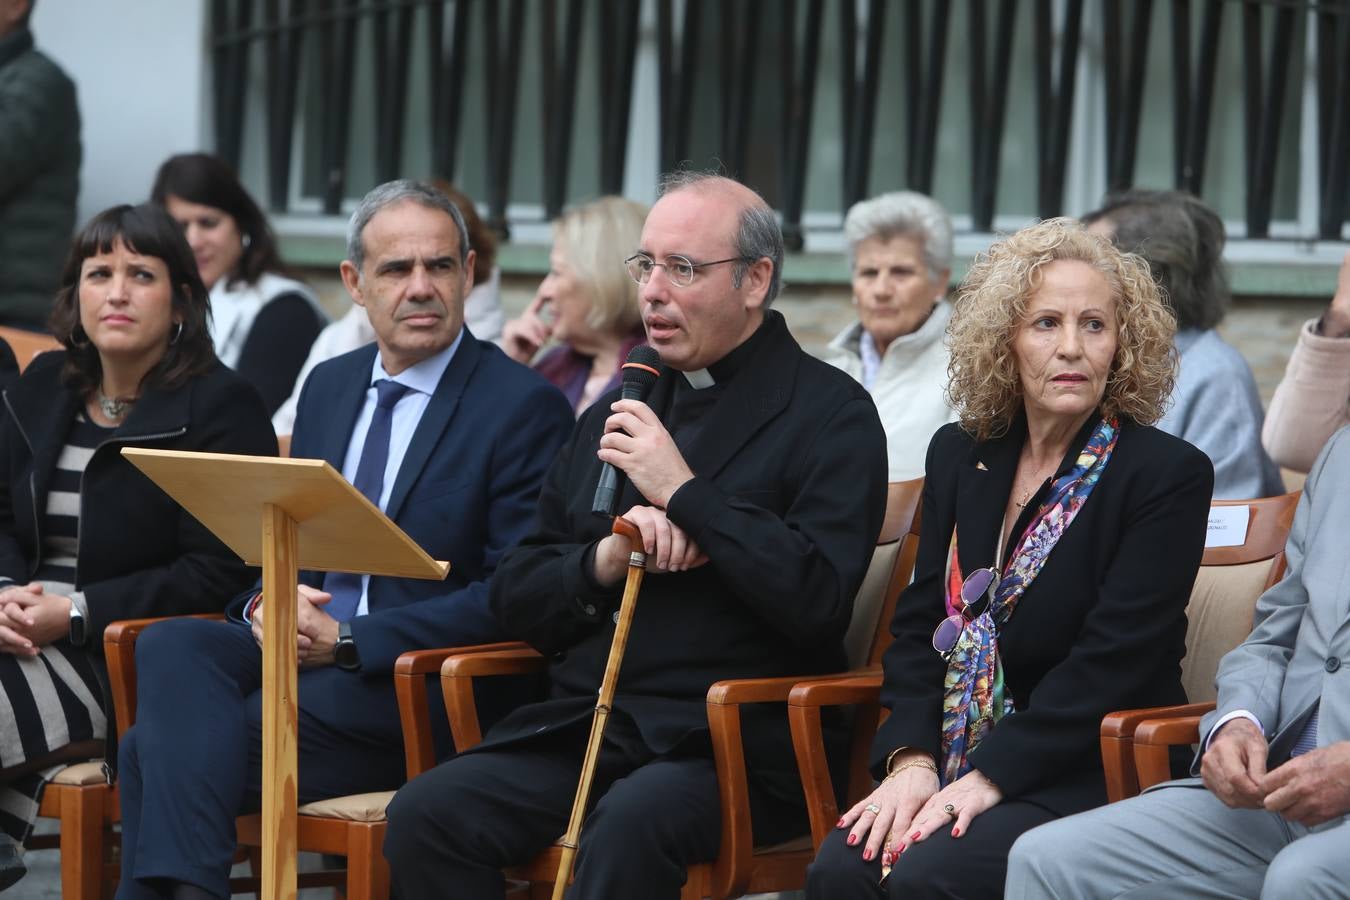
[(640, 372)]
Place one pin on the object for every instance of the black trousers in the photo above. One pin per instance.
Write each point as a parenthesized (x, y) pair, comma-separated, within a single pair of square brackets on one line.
[(650, 818), (970, 867)]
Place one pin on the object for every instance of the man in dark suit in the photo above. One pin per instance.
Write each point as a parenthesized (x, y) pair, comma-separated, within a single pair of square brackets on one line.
[(452, 440), (757, 477)]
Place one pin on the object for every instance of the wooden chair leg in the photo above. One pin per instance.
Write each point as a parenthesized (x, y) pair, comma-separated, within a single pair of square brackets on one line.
[(82, 842), (255, 868), (367, 869)]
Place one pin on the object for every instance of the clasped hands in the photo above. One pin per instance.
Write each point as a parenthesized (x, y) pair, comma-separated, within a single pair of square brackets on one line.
[(908, 806), (1309, 789), (30, 619), (316, 631), (636, 442)]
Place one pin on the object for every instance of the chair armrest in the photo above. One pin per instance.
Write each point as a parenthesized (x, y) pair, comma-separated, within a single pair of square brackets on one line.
[(1124, 722), (734, 866), (751, 690), (1118, 736), (1153, 741), (862, 688), (467, 663), (119, 650), (410, 686)]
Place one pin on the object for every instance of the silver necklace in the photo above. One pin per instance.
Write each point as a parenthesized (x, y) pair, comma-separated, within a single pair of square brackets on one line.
[(114, 407)]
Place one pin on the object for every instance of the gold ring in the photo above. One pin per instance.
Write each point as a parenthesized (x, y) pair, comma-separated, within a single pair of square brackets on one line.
[(872, 808), (951, 810)]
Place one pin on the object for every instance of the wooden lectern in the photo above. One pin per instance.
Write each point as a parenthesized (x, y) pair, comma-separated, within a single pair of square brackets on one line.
[(285, 515)]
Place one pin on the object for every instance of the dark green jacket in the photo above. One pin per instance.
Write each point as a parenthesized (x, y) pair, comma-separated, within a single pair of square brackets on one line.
[(39, 178)]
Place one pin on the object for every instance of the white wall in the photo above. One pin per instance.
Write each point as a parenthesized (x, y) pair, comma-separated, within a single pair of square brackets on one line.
[(139, 68)]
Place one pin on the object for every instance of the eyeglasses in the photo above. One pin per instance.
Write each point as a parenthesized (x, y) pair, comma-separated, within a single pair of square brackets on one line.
[(977, 593), (679, 269)]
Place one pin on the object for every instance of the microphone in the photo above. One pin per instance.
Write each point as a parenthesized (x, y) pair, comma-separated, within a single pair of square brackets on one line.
[(640, 372)]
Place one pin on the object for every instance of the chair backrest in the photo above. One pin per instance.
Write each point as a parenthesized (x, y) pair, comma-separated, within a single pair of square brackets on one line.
[(890, 570), (27, 344), (1230, 581)]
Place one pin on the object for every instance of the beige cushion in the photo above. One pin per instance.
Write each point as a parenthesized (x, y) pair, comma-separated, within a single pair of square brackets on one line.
[(352, 808), (867, 605), (81, 774), (1220, 618)]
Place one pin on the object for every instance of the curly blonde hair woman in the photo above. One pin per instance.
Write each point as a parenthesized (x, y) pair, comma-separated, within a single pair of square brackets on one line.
[(1080, 528), (984, 387)]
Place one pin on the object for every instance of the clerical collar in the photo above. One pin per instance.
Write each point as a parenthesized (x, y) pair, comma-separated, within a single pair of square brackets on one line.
[(726, 368), (699, 379)]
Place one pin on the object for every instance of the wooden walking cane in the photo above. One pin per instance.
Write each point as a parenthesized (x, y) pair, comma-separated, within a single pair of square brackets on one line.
[(637, 567)]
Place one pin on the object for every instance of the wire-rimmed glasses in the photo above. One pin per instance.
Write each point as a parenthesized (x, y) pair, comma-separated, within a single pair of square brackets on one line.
[(679, 269), (977, 594)]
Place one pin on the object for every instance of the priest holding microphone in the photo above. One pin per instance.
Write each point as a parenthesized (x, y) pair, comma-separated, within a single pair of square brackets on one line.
[(756, 475)]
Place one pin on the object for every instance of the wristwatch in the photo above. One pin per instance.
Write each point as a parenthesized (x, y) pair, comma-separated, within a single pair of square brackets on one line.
[(344, 652), (77, 629)]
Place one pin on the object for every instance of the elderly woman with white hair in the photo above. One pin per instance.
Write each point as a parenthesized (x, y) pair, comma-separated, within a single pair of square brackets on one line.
[(900, 249)]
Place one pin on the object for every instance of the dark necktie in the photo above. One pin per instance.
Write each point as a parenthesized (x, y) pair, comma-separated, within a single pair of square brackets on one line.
[(346, 588)]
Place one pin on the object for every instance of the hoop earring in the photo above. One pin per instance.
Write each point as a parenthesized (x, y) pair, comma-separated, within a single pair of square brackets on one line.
[(177, 334)]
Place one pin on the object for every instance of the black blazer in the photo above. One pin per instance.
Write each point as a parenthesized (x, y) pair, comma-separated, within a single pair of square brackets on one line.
[(140, 554), (1102, 627), (787, 500)]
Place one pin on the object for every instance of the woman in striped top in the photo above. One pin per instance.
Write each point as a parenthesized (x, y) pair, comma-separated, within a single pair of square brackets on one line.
[(85, 539)]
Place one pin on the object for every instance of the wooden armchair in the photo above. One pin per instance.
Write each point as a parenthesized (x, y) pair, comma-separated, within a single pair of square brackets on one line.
[(1136, 743), (858, 689), (79, 795), (741, 867), (343, 826)]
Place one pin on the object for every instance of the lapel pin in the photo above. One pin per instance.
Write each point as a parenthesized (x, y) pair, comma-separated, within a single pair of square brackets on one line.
[(981, 466)]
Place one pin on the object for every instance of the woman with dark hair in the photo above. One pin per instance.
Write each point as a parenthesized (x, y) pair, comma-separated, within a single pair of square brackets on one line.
[(263, 322), (84, 538), (1215, 404)]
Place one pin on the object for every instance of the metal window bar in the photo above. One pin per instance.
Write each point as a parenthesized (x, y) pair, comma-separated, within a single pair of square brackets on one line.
[(289, 30)]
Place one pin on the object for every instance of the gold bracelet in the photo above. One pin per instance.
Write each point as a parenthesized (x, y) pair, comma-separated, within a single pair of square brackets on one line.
[(914, 764), (890, 760)]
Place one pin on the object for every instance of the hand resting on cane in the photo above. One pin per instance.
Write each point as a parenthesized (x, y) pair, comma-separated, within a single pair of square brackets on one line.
[(667, 546)]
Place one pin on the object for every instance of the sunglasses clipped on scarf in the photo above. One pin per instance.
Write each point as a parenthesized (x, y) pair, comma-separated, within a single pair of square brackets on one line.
[(977, 595)]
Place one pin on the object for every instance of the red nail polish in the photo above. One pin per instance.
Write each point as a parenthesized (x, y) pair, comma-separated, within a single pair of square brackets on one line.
[(852, 839), (840, 823), (867, 856), (915, 836), (900, 849), (956, 832)]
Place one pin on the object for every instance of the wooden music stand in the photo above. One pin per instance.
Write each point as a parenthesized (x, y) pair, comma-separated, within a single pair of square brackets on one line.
[(285, 515)]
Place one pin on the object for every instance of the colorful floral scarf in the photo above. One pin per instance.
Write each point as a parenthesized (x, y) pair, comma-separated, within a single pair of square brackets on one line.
[(974, 695)]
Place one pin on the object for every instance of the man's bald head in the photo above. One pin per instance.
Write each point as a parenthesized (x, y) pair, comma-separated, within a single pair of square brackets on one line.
[(758, 235)]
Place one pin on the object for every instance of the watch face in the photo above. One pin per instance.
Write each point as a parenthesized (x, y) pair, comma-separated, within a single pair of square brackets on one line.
[(344, 654)]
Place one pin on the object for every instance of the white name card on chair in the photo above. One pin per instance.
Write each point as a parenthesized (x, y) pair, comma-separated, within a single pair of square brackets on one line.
[(1227, 526)]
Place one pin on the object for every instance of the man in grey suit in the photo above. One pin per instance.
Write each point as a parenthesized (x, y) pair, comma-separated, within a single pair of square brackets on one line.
[(1268, 815)]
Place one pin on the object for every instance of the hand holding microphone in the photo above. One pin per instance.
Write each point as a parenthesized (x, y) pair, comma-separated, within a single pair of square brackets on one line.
[(640, 372)]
